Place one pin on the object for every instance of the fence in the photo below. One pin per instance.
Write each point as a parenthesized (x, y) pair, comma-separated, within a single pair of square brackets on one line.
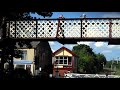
[(75, 75)]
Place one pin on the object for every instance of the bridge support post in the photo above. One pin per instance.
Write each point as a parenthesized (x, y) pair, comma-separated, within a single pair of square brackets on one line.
[(7, 56), (110, 28), (11, 66), (3, 36), (2, 63)]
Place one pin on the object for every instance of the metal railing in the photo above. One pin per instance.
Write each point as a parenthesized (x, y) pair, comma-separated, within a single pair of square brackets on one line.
[(75, 75), (73, 28)]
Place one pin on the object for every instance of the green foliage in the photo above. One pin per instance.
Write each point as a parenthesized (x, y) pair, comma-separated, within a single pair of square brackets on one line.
[(101, 61), (88, 61), (113, 65), (108, 64), (101, 58)]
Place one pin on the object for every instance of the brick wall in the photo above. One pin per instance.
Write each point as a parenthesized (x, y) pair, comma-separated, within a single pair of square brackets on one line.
[(61, 72)]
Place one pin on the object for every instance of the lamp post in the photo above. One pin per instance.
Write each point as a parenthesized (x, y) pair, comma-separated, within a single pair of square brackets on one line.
[(111, 66), (118, 60)]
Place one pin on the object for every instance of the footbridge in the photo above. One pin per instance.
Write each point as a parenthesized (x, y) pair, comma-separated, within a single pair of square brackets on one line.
[(66, 30)]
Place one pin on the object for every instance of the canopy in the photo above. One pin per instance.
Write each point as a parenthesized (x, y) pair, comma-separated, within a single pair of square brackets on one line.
[(22, 62)]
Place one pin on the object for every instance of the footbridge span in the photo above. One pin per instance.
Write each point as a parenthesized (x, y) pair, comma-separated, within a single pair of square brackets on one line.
[(66, 30)]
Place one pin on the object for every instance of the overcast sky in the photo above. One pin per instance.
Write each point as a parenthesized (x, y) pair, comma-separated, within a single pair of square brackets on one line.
[(110, 51)]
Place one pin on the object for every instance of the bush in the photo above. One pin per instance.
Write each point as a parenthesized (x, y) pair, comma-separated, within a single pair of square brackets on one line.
[(21, 73)]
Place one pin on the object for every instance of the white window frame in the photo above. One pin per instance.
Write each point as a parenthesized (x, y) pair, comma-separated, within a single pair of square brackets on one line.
[(58, 58)]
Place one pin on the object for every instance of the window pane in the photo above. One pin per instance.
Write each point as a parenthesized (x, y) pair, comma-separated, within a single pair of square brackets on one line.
[(56, 57), (56, 62), (65, 61), (61, 62), (24, 54), (61, 57), (65, 57)]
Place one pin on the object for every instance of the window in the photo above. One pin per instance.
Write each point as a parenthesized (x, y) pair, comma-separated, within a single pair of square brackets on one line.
[(24, 54), (63, 60)]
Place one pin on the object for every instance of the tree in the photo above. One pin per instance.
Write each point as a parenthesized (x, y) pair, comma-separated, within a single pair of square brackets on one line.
[(88, 61), (101, 61), (86, 58)]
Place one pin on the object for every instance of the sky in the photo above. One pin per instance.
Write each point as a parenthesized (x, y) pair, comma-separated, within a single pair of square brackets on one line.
[(110, 51)]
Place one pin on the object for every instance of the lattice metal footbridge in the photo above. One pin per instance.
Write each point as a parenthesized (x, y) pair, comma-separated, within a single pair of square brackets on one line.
[(65, 30)]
